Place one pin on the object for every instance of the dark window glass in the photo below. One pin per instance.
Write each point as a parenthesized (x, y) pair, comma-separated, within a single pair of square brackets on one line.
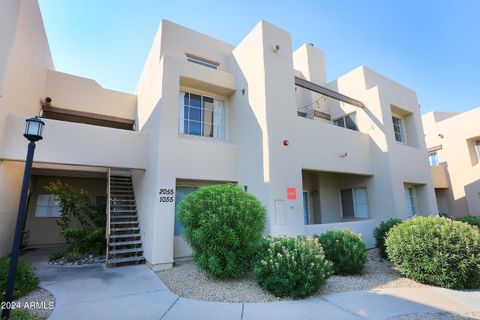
[(347, 203)]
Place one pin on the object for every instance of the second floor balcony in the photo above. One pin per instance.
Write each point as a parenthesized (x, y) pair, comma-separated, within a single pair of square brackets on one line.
[(323, 104)]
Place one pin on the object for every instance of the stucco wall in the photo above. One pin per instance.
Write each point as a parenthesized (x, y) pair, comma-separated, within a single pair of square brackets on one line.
[(22, 82), (454, 134)]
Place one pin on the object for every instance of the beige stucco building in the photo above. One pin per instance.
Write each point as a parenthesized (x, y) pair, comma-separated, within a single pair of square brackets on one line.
[(453, 142), (318, 155)]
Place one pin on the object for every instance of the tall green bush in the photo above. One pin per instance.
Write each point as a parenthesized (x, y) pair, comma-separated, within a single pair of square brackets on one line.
[(291, 267), (89, 237), (345, 249), (471, 220), (380, 234), (436, 250), (25, 281), (223, 224)]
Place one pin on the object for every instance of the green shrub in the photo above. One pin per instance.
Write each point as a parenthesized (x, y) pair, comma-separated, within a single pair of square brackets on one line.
[(345, 249), (24, 314), (89, 237), (471, 220), (223, 224), (25, 281), (291, 267), (380, 234), (436, 250)]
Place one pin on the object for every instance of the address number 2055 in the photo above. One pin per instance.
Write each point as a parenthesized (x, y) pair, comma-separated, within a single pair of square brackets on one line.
[(167, 195)]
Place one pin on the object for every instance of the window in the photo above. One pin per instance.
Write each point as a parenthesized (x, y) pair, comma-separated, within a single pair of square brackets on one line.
[(433, 158), (47, 206), (398, 129), (306, 208), (355, 203), (410, 201), (477, 148), (347, 121), (181, 193), (201, 61), (201, 116)]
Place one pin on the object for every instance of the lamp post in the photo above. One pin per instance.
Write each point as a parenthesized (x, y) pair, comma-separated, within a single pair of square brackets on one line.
[(33, 132)]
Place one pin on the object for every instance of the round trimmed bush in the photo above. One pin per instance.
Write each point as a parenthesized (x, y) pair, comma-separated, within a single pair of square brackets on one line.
[(291, 267), (437, 251), (223, 224), (25, 281), (471, 220), (345, 249), (380, 234)]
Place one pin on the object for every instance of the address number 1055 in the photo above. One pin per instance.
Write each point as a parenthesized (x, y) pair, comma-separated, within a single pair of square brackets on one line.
[(166, 195)]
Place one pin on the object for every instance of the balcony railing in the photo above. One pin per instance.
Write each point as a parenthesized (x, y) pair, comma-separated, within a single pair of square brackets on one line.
[(320, 103)]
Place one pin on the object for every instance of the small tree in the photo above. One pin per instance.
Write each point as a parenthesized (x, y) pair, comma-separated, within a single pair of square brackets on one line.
[(89, 237), (223, 224)]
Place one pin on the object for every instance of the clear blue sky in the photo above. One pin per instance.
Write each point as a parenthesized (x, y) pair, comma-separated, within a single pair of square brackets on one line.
[(432, 46)]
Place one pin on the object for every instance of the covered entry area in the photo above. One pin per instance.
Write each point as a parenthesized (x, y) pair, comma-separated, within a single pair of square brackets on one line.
[(41, 228), (332, 197)]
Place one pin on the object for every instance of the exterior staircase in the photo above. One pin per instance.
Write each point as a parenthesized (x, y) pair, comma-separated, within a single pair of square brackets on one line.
[(124, 244)]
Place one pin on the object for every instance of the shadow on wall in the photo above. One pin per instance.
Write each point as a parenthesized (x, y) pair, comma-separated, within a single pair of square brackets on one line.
[(472, 192), (246, 134)]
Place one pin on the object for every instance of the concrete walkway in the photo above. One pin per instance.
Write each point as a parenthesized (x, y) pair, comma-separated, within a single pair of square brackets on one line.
[(135, 292)]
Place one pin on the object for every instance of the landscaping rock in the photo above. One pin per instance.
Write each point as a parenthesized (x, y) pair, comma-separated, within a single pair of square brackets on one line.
[(188, 281)]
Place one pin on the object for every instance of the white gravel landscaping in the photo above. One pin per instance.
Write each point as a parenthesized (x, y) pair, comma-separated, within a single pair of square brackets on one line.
[(38, 302), (186, 280)]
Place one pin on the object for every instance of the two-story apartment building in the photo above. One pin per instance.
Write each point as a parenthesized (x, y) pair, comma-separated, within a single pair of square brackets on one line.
[(453, 145), (318, 155)]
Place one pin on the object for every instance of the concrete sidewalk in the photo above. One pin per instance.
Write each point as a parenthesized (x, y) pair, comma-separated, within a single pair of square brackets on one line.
[(135, 292)]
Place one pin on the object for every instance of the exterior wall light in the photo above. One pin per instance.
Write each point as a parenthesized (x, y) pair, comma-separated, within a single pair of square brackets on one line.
[(275, 48), (344, 155), (33, 132), (285, 143)]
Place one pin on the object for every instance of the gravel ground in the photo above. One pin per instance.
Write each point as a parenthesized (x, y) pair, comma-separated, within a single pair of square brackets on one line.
[(188, 281), (440, 316), (42, 298)]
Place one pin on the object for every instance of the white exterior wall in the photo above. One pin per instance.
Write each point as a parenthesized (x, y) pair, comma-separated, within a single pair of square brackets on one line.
[(456, 133), (24, 60), (257, 85)]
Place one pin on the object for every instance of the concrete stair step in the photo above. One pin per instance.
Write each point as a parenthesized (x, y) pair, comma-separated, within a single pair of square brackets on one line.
[(126, 229), (125, 251), (125, 243), (124, 236), (123, 222), (117, 216), (138, 259)]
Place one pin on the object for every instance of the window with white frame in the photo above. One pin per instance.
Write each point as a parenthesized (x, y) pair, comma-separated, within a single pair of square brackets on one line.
[(47, 206), (398, 129), (201, 116), (202, 61), (410, 201), (433, 158), (355, 203), (347, 121), (477, 148)]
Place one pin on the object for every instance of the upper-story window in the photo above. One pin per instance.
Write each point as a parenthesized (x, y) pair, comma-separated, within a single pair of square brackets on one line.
[(398, 129), (477, 148), (347, 121), (201, 116), (202, 61), (433, 158)]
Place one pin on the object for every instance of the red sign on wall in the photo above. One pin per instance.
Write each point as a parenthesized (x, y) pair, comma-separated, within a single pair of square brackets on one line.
[(291, 193)]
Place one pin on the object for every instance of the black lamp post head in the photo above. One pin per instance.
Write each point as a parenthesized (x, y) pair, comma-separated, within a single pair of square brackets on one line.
[(33, 129)]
